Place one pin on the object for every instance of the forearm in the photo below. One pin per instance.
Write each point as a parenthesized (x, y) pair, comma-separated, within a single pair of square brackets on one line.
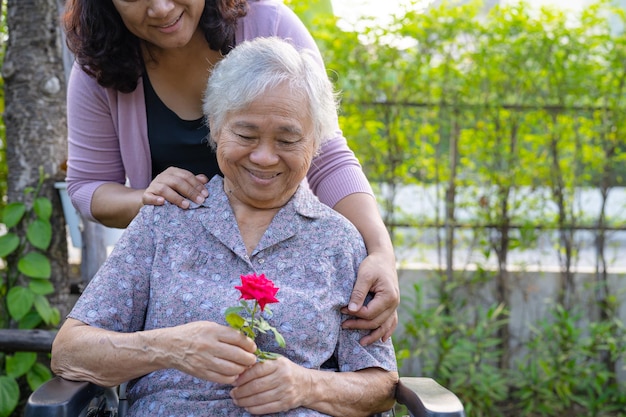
[(85, 353), (362, 211), (115, 205), (360, 393)]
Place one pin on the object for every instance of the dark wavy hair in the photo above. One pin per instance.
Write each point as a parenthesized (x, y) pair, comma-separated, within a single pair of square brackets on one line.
[(109, 52)]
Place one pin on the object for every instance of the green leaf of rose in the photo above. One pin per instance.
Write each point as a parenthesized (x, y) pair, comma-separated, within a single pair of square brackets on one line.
[(235, 320), (262, 355), (279, 338)]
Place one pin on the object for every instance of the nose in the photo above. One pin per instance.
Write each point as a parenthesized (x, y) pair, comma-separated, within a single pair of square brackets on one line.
[(160, 8), (264, 154)]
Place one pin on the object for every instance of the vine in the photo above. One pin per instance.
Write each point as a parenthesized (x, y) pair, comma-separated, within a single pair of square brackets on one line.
[(24, 287)]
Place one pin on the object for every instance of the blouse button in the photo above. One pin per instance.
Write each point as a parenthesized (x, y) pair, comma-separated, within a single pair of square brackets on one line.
[(261, 261)]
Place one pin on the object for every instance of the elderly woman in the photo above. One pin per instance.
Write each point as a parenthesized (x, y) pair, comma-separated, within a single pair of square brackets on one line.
[(154, 313)]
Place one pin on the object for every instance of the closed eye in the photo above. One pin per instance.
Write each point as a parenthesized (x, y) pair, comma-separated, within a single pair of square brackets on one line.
[(245, 137)]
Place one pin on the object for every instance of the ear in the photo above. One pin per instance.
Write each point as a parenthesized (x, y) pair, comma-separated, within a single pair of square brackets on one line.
[(214, 134)]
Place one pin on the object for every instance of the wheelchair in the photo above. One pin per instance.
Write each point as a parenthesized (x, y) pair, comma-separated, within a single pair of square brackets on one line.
[(423, 397)]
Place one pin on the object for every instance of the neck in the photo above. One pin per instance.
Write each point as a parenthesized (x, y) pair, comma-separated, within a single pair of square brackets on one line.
[(196, 49), (252, 221)]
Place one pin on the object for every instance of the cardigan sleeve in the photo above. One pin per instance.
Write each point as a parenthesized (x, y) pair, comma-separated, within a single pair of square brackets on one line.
[(94, 155), (107, 139)]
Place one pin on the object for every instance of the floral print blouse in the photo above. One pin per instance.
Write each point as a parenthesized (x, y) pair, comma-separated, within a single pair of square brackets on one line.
[(174, 266)]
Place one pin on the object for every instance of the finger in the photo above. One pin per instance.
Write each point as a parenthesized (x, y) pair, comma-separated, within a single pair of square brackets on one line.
[(361, 324), (182, 182), (372, 337), (158, 197), (359, 292), (390, 326), (365, 320), (377, 309), (271, 407), (190, 186), (214, 376), (254, 373), (236, 338), (203, 179), (150, 199), (263, 395), (383, 333)]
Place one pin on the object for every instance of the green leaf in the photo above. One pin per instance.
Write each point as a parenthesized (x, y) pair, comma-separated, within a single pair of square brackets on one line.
[(19, 363), (235, 320), (279, 338), (13, 213), (34, 265), (9, 395), (46, 312), (248, 332), (55, 316), (231, 310), (262, 325), (37, 375), (39, 233), (31, 320), (43, 208), (41, 286), (8, 243), (19, 301), (262, 355)]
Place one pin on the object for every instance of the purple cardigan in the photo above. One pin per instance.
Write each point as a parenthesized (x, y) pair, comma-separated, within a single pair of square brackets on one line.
[(108, 133)]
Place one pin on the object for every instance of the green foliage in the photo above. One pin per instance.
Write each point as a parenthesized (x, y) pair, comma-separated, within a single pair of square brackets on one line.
[(23, 289), (458, 347), (507, 115), (565, 372), (504, 86)]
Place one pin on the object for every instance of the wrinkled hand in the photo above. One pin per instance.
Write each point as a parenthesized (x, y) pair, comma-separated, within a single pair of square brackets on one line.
[(211, 351), (377, 275), (271, 386), (178, 186)]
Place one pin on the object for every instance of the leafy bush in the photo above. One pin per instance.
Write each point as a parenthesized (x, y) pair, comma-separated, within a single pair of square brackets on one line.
[(458, 347), (567, 369), (23, 289)]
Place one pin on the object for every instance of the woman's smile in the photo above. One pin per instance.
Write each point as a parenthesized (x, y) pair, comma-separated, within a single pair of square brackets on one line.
[(171, 25), (263, 176), (264, 150)]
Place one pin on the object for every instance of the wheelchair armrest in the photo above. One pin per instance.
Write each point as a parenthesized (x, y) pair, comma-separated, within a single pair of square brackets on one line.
[(59, 397), (425, 397)]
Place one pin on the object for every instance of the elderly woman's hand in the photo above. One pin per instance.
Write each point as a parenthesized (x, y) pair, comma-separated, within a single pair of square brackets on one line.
[(210, 351), (178, 186), (377, 275), (271, 386)]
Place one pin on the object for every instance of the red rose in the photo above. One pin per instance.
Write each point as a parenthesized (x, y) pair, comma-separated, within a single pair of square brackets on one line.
[(257, 287)]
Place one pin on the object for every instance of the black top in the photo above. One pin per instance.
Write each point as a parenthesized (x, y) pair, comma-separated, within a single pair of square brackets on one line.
[(174, 141)]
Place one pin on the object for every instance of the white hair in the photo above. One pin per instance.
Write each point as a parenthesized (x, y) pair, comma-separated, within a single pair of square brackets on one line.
[(259, 65)]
